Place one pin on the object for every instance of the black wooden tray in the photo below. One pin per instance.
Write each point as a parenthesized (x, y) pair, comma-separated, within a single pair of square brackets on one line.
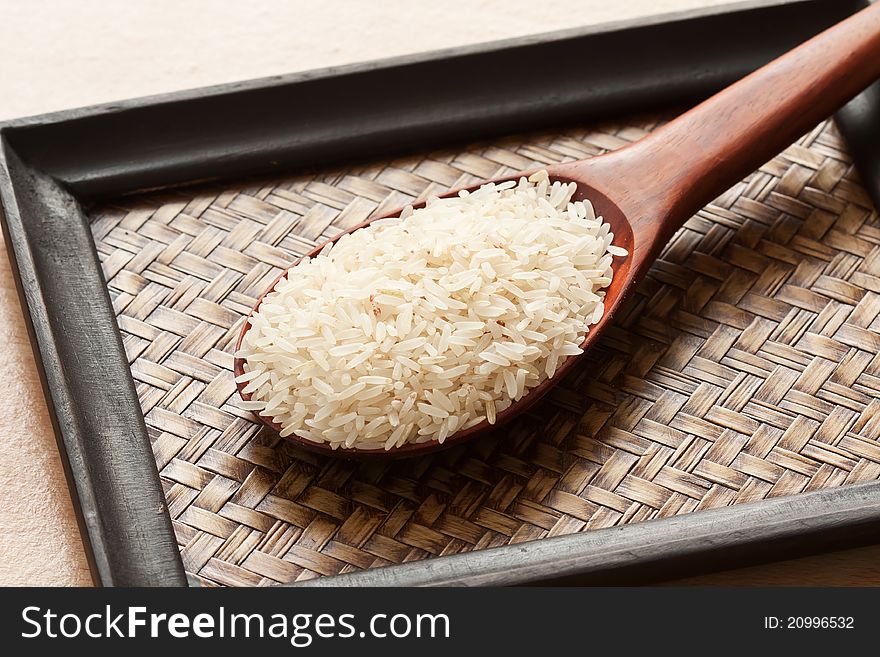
[(51, 165)]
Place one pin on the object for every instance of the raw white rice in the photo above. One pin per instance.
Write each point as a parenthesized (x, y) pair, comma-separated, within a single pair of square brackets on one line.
[(420, 326)]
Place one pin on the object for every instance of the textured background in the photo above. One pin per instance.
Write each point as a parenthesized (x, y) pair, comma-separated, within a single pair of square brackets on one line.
[(59, 54), (746, 366)]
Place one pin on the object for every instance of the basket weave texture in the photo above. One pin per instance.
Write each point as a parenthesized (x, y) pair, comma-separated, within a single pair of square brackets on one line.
[(746, 366)]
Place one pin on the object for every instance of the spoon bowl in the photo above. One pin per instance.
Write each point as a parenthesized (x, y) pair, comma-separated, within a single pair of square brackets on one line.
[(647, 190), (614, 293)]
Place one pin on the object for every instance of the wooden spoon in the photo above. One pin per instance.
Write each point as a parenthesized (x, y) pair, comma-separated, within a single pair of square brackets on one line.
[(647, 190)]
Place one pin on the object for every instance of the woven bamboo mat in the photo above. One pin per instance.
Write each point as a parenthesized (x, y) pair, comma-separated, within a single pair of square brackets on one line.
[(746, 366)]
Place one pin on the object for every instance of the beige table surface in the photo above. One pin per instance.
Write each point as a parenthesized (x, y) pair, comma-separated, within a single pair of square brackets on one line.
[(59, 54)]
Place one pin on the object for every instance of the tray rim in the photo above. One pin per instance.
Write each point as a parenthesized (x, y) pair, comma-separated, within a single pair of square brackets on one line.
[(45, 180)]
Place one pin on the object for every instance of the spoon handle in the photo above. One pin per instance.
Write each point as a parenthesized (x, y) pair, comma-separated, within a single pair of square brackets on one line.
[(662, 180)]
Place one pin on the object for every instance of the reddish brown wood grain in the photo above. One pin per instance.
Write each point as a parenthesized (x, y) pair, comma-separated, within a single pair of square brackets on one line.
[(662, 180), (856, 567)]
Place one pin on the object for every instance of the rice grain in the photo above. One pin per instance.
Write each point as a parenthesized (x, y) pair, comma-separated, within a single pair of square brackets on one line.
[(417, 327)]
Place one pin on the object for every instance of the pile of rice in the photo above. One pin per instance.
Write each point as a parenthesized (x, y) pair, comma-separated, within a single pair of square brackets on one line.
[(420, 326)]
